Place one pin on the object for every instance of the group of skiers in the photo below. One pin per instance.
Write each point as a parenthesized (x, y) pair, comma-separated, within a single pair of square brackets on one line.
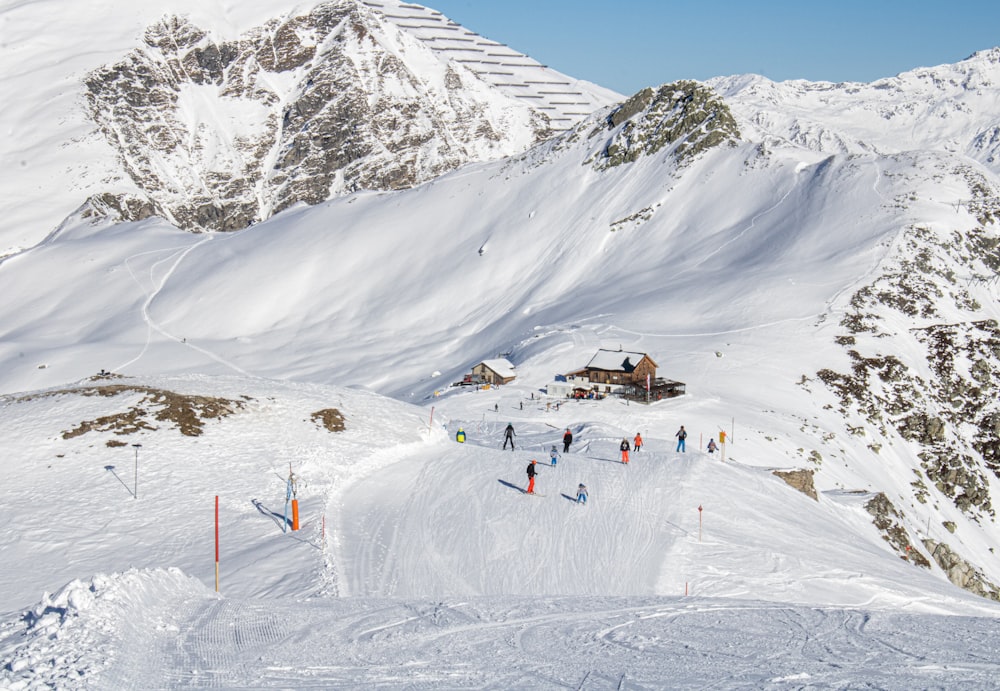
[(637, 444), (581, 489), (625, 447)]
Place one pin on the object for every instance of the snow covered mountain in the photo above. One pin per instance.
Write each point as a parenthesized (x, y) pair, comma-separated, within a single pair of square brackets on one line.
[(943, 108), (216, 132), (818, 263)]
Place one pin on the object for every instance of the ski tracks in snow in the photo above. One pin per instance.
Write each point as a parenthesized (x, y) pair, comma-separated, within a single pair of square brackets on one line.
[(175, 258), (596, 642)]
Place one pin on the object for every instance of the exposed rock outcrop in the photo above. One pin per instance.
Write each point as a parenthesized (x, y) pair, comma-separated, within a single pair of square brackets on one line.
[(801, 480), (889, 521), (685, 115), (960, 572)]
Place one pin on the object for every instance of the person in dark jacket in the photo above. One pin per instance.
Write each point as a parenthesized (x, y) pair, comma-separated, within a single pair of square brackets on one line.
[(681, 436), (531, 478), (625, 449), (567, 440), (508, 436)]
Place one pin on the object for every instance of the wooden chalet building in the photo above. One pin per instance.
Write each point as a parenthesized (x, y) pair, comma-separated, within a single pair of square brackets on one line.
[(620, 373), (494, 372), (619, 367)]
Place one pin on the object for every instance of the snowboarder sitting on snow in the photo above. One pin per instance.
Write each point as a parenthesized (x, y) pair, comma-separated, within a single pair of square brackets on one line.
[(531, 478), (460, 437), (711, 446), (681, 436), (581, 494), (553, 456), (567, 440), (625, 449), (508, 436)]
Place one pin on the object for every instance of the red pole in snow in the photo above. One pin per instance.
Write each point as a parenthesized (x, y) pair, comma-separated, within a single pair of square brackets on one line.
[(430, 425), (216, 543)]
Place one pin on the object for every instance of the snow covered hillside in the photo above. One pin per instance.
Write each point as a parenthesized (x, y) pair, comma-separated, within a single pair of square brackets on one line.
[(420, 561), (824, 284)]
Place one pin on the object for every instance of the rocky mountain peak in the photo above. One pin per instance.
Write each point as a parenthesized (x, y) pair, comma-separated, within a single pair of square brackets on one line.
[(685, 115), (216, 135)]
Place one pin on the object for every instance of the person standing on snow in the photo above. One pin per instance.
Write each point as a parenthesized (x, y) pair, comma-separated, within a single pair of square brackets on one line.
[(681, 436), (625, 449), (711, 446), (460, 436), (637, 442), (581, 494), (553, 456), (508, 436), (531, 478), (567, 440)]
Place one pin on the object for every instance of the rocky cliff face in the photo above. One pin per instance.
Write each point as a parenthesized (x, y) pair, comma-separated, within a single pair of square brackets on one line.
[(220, 134), (685, 116), (925, 369)]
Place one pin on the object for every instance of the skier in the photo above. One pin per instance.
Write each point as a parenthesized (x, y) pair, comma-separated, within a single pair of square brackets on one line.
[(581, 494), (508, 436), (625, 449), (681, 436), (553, 456), (637, 442), (711, 446), (567, 440), (531, 478), (460, 436)]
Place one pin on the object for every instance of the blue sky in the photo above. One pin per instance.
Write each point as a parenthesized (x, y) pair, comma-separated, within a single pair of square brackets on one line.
[(626, 45)]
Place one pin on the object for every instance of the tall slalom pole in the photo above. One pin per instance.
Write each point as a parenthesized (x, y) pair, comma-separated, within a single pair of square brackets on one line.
[(288, 499), (216, 543), (135, 486)]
